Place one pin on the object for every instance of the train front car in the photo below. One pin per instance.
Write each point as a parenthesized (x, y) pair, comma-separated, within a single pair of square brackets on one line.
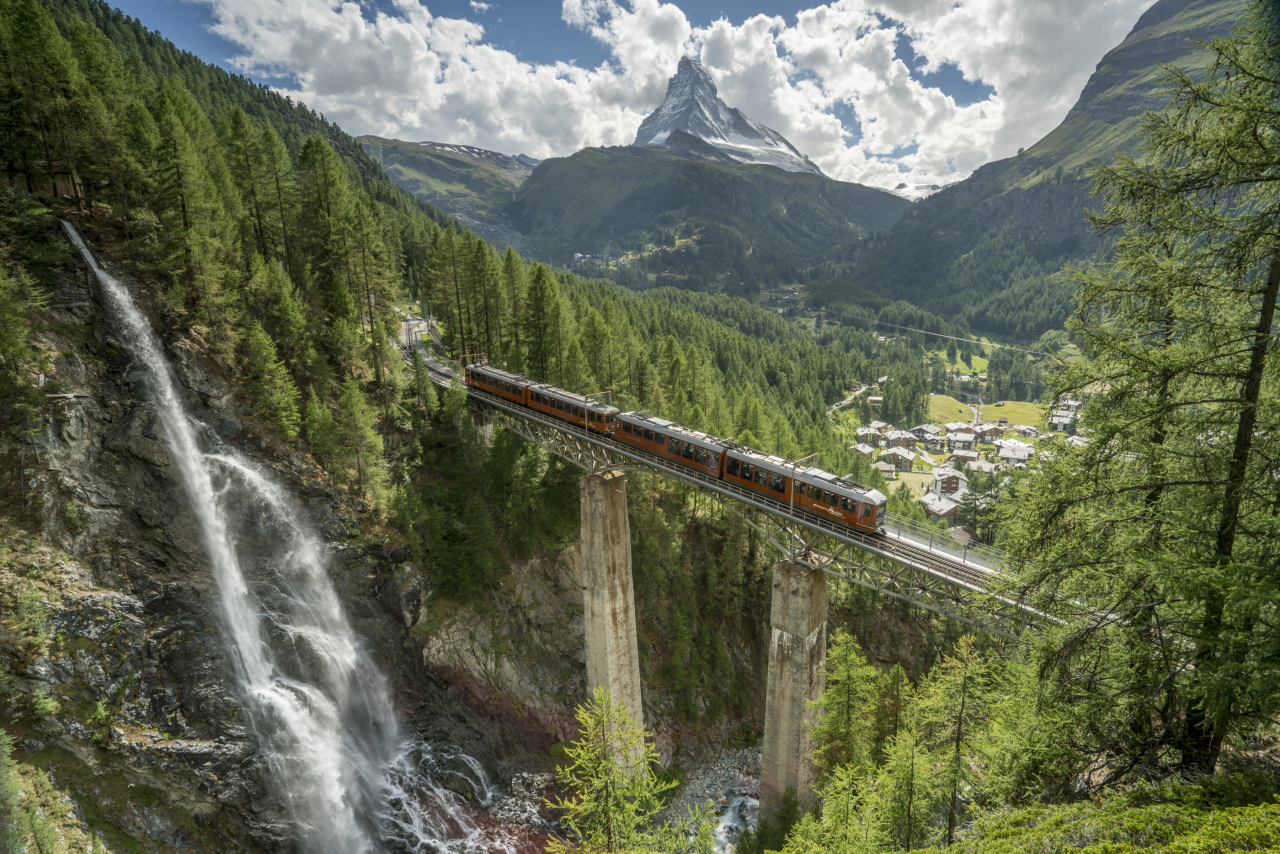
[(583, 411), (669, 440), (770, 476), (848, 502), (505, 385)]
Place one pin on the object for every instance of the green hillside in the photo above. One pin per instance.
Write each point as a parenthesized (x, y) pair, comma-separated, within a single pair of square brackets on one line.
[(459, 179), (987, 252)]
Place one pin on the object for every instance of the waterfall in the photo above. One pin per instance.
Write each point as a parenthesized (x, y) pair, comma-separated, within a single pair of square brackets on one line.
[(318, 706)]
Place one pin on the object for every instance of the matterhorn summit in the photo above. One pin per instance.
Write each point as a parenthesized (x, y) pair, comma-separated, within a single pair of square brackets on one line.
[(693, 106)]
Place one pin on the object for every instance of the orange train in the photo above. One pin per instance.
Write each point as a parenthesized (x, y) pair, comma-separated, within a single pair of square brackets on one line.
[(810, 489)]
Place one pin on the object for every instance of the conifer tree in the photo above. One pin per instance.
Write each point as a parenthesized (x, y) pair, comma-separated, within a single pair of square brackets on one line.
[(273, 389), (320, 428), (1156, 537), (843, 733), (359, 446)]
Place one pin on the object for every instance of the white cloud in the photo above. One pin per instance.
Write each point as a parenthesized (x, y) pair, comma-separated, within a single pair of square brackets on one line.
[(412, 75)]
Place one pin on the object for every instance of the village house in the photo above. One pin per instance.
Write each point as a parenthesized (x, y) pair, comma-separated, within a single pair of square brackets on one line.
[(882, 382), (939, 508), (869, 436), (900, 457), (901, 439), (886, 469), (936, 444), (949, 481), (956, 426), (988, 432), (866, 450), (875, 400), (1015, 456), (882, 426), (967, 457), (1060, 422), (1022, 431), (964, 441), (984, 466), (924, 431)]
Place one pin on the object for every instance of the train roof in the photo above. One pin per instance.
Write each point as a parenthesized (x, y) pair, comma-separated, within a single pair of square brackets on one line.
[(776, 464), (500, 374), (696, 436), (817, 477), (581, 400)]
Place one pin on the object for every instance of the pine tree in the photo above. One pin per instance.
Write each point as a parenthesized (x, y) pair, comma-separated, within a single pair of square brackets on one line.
[(843, 735), (608, 790), (359, 446), (320, 428), (273, 389), (1156, 539)]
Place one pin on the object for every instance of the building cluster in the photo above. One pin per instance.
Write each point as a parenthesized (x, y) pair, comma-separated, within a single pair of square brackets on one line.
[(986, 447)]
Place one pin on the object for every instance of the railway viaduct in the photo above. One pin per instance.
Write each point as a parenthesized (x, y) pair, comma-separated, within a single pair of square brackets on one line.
[(913, 562)]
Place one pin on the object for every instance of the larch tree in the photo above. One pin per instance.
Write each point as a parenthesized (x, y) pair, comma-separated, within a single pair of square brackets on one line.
[(1156, 538)]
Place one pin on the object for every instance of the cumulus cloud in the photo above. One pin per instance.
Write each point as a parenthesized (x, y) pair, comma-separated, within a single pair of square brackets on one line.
[(827, 78)]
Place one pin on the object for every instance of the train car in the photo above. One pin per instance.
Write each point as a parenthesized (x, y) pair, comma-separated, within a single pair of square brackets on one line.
[(508, 386), (593, 415), (824, 494), (689, 448), (768, 475)]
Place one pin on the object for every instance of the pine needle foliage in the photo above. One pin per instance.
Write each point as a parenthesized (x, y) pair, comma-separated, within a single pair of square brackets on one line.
[(1156, 538)]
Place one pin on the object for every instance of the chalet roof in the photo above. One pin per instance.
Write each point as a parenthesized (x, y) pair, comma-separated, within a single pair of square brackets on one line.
[(946, 472), (966, 436), (939, 505), (898, 452), (932, 429), (863, 448), (881, 425), (957, 426), (867, 431), (901, 434)]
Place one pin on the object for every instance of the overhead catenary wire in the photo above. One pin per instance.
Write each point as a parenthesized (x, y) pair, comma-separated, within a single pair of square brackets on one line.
[(955, 338)]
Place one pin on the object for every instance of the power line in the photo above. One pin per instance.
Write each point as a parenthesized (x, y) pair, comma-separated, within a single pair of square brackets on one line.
[(954, 338)]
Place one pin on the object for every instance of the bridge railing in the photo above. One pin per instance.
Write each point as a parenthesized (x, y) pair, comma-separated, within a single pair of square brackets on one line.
[(939, 540)]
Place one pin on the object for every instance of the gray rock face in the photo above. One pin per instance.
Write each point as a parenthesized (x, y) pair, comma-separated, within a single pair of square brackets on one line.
[(692, 105)]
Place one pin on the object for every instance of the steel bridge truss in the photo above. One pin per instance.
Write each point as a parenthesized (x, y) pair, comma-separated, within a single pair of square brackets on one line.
[(890, 565)]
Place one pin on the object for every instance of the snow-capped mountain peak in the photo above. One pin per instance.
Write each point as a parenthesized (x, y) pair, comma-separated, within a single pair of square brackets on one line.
[(692, 105)]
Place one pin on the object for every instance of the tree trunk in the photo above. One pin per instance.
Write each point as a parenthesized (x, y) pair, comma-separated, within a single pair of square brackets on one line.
[(1203, 739)]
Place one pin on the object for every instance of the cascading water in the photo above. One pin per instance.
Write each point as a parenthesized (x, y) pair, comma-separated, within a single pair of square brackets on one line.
[(319, 707)]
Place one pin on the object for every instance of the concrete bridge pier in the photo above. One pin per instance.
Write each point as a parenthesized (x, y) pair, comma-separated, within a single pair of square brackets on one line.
[(796, 651), (608, 599)]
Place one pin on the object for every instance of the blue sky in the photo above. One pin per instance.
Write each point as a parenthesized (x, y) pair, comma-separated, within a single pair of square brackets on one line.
[(873, 90)]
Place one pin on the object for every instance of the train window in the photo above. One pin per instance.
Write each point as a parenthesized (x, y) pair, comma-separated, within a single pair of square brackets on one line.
[(867, 511), (732, 467), (648, 435), (815, 493), (849, 504), (747, 471), (626, 427), (673, 446), (832, 499), (577, 411), (700, 456), (762, 477), (777, 483), (688, 451)]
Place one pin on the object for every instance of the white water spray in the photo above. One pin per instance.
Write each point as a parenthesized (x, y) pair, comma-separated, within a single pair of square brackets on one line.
[(318, 706)]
